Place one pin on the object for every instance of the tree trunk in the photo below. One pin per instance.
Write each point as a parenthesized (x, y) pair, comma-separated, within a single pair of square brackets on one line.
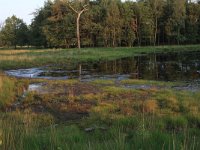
[(77, 22), (155, 34), (15, 38), (78, 30), (66, 44), (178, 39), (114, 38)]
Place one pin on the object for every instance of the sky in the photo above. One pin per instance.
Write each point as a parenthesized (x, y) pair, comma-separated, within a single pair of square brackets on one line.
[(23, 9)]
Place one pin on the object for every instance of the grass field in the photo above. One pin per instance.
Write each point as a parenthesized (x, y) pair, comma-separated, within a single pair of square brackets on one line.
[(11, 59), (94, 115)]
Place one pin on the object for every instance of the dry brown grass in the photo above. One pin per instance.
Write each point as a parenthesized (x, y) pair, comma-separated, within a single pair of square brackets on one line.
[(47, 50), (17, 58), (1, 82), (25, 55), (150, 106), (13, 52)]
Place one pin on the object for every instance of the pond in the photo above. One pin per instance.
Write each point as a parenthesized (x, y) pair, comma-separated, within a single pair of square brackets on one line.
[(175, 66)]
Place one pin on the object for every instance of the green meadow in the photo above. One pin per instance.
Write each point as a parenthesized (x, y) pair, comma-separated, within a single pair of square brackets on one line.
[(12, 59)]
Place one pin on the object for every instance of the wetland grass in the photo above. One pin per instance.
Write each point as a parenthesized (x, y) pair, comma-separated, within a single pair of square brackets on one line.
[(13, 59), (117, 117), (7, 91)]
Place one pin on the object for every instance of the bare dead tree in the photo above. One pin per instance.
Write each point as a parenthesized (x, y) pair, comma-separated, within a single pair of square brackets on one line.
[(78, 13)]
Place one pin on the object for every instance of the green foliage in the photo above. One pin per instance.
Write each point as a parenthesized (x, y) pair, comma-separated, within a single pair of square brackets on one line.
[(38, 38), (14, 32), (129, 24), (61, 24), (108, 23)]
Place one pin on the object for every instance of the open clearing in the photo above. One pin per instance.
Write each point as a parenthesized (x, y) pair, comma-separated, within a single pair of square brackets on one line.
[(98, 108)]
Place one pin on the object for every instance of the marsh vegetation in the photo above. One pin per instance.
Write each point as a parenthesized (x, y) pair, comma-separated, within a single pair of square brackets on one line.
[(123, 90), (121, 112)]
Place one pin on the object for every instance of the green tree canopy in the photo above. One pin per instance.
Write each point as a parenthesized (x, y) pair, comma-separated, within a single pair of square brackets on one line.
[(110, 23), (14, 32)]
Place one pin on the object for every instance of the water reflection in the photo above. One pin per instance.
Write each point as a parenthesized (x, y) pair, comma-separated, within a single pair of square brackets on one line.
[(162, 66), (181, 66)]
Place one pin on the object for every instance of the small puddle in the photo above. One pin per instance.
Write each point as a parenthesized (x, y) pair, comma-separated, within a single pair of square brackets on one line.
[(42, 73), (25, 73), (139, 87), (36, 87), (39, 88), (187, 88), (192, 86)]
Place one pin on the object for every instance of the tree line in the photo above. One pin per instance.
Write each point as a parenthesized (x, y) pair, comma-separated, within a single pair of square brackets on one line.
[(106, 23)]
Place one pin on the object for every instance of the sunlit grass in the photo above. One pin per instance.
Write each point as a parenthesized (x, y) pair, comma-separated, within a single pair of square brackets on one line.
[(7, 94), (10, 59), (13, 52), (18, 51), (10, 89), (17, 58), (1, 83)]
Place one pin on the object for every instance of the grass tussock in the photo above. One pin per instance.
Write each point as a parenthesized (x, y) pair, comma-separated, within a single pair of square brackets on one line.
[(10, 90), (7, 93), (75, 115)]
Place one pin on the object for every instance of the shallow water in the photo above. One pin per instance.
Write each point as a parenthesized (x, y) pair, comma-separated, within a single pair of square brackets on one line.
[(36, 87), (180, 66)]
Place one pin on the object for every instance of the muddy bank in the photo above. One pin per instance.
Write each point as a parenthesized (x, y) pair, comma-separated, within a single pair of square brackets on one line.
[(63, 101)]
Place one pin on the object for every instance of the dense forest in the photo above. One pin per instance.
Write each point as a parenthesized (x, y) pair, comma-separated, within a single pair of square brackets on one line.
[(106, 23)]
